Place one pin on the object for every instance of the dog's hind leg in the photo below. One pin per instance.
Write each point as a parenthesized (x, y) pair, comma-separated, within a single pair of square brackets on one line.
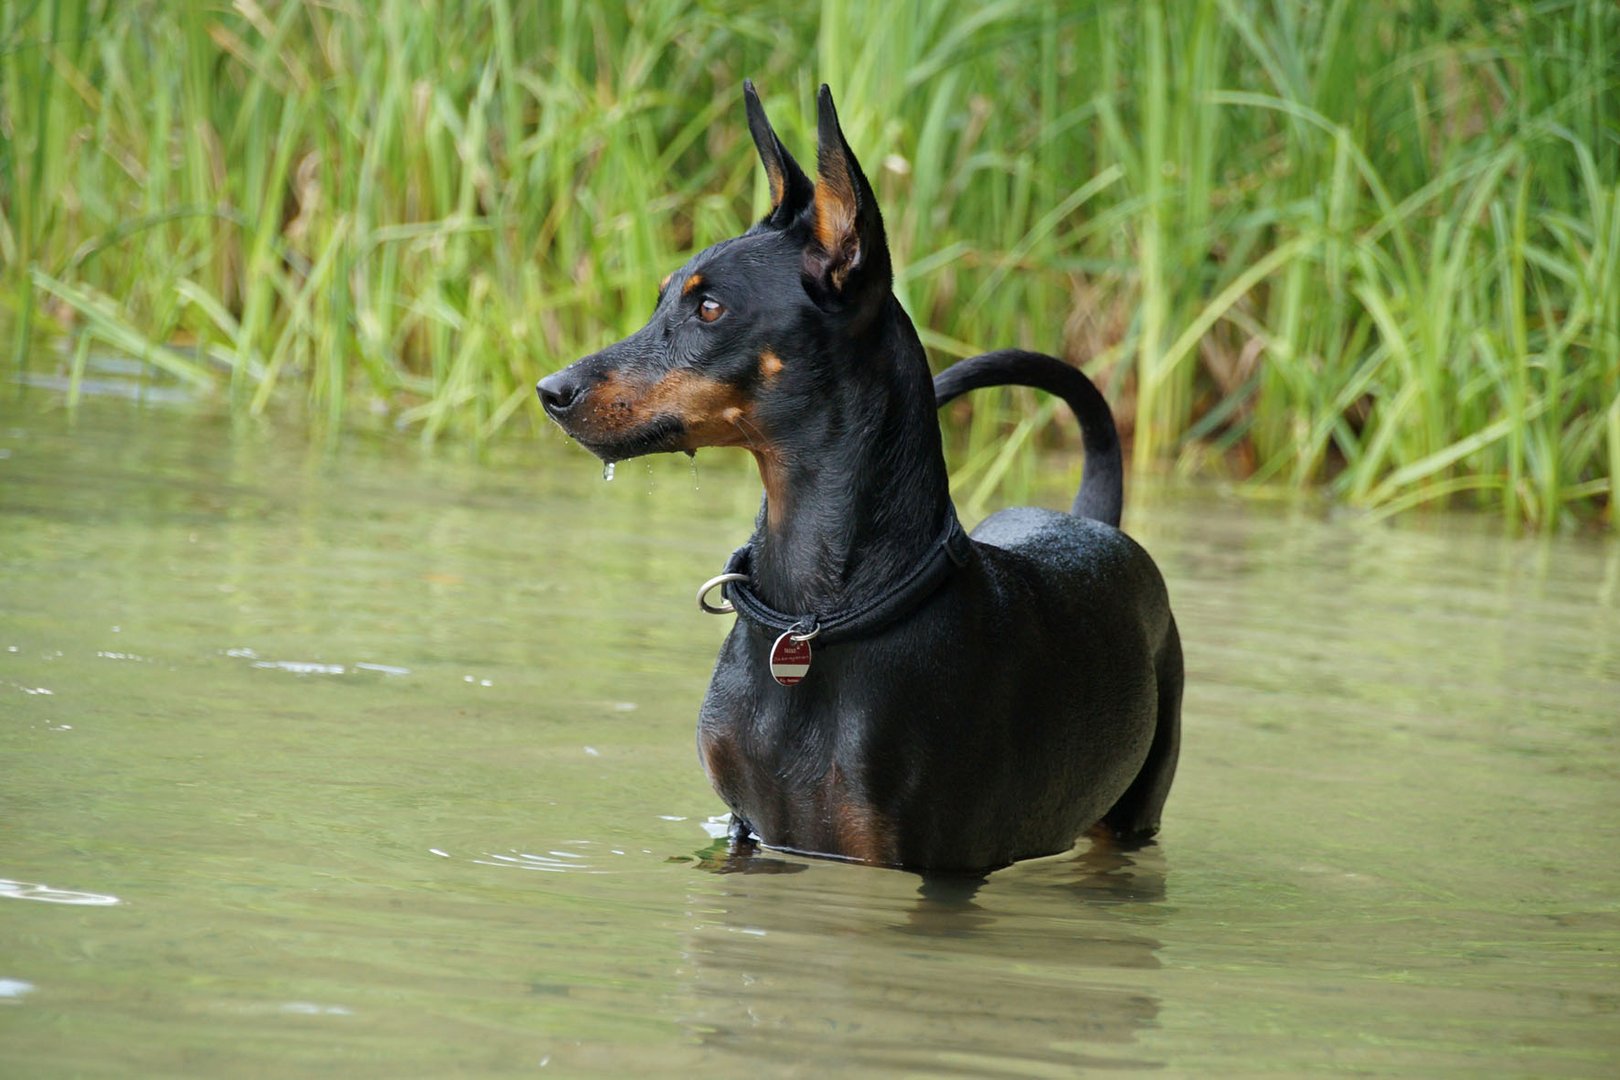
[(1136, 815)]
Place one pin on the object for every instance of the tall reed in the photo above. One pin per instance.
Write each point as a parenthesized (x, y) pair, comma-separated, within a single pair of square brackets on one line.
[(1374, 246)]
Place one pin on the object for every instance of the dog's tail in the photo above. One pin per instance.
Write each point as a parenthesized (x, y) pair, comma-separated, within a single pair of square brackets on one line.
[(1102, 488)]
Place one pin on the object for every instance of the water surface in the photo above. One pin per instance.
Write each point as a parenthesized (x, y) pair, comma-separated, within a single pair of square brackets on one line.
[(358, 760)]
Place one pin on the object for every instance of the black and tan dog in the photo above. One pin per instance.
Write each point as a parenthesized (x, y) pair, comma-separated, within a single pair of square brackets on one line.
[(892, 691)]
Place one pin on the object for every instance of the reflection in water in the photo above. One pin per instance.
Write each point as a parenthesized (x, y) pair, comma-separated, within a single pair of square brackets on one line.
[(724, 857), (830, 965)]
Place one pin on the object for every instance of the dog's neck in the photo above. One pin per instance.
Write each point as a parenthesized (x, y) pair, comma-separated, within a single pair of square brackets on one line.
[(858, 494)]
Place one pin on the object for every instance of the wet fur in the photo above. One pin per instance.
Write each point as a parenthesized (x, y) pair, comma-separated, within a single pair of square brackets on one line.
[(1032, 697)]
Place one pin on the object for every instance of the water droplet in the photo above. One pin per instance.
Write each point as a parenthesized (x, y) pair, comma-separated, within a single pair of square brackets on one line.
[(607, 470)]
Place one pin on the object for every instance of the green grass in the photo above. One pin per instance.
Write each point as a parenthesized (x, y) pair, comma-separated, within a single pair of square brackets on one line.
[(1368, 245)]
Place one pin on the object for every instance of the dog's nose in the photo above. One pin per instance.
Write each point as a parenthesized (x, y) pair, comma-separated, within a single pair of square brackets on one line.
[(559, 391)]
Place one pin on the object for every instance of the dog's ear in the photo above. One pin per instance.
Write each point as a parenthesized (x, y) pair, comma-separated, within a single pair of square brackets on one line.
[(848, 254), (791, 190)]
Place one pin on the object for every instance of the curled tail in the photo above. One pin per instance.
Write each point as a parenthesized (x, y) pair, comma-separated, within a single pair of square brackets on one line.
[(1102, 488)]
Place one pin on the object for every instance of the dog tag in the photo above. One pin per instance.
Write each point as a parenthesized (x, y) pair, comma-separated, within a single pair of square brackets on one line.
[(789, 659)]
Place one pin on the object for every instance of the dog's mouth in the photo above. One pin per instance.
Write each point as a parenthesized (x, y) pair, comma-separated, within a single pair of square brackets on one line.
[(661, 435)]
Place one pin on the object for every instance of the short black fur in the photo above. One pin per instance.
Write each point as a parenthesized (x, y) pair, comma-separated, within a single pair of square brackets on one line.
[(1031, 697)]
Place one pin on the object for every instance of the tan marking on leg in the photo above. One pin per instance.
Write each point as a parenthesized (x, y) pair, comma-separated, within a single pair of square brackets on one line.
[(864, 835), (720, 762), (858, 831)]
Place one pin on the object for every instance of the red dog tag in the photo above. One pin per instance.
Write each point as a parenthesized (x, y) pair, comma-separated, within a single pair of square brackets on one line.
[(789, 659)]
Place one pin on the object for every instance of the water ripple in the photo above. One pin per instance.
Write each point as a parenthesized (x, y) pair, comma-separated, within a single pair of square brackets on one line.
[(301, 667), (315, 667), (12, 989), (551, 861), (310, 1008), (29, 890)]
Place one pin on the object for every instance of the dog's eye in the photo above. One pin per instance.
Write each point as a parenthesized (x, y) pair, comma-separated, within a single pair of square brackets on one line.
[(710, 310)]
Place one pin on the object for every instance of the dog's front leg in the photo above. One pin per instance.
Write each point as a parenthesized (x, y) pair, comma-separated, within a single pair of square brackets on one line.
[(740, 834)]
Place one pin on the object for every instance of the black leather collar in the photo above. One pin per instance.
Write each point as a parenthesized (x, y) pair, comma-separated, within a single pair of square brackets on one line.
[(948, 553)]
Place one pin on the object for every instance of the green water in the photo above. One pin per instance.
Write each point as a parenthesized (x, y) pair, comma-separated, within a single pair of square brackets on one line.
[(357, 761)]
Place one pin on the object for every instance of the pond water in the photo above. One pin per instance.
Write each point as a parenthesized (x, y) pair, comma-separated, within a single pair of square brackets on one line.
[(364, 760)]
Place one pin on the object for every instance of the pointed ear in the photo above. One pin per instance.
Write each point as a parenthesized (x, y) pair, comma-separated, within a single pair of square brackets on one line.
[(848, 249), (790, 188)]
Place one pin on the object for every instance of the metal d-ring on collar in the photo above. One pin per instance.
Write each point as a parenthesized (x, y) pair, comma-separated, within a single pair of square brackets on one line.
[(951, 551), (725, 606)]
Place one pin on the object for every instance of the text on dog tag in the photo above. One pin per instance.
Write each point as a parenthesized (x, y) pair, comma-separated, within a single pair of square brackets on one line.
[(789, 659)]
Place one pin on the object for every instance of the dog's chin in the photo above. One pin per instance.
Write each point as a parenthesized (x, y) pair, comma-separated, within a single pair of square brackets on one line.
[(661, 436)]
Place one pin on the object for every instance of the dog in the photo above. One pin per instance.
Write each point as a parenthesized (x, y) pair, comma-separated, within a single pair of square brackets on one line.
[(893, 691)]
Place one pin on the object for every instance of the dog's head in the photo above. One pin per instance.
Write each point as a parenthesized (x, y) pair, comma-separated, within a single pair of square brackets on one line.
[(744, 335)]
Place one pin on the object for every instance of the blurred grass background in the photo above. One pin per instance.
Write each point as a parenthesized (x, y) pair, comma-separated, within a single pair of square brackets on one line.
[(1368, 245)]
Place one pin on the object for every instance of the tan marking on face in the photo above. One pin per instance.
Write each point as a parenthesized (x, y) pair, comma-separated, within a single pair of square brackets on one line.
[(770, 365), (708, 409), (773, 477), (609, 408), (712, 413), (693, 282), (662, 285)]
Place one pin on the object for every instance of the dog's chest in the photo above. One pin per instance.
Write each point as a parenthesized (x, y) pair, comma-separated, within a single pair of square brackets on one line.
[(790, 782)]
